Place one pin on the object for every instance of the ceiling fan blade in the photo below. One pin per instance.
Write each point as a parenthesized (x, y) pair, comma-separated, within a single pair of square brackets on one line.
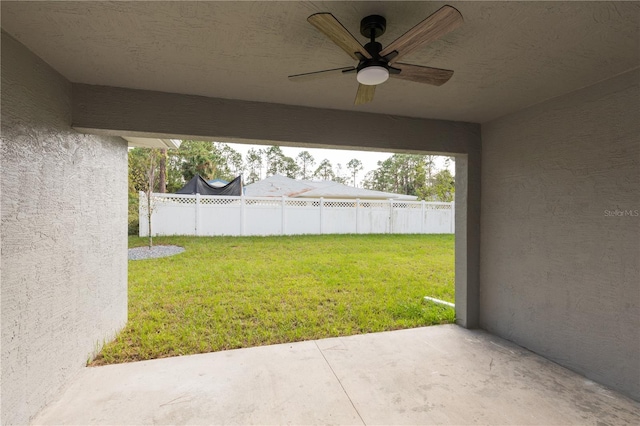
[(320, 74), (439, 23), (420, 74), (332, 28), (365, 94)]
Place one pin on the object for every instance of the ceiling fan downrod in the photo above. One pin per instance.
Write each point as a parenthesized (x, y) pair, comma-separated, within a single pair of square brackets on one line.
[(373, 26)]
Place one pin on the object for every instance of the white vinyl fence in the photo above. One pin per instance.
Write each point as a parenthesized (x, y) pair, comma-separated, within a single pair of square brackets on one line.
[(207, 215)]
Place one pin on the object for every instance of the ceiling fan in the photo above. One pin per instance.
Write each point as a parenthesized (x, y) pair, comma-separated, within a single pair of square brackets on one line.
[(377, 64)]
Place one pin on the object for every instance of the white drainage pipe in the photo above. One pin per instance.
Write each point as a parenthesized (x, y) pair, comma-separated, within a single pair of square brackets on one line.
[(440, 302)]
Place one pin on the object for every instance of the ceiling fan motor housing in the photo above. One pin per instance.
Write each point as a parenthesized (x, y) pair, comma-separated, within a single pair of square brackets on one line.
[(373, 26)]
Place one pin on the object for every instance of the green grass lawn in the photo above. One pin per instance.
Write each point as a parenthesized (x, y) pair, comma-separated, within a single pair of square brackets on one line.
[(229, 292)]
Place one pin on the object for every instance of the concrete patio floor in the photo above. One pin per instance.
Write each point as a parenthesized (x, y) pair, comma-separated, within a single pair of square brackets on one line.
[(433, 375)]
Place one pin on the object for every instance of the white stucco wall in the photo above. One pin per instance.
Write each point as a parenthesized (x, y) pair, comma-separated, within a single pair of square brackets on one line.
[(64, 244), (559, 269)]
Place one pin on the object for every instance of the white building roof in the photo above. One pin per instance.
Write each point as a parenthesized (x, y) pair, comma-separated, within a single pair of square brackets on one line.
[(278, 186)]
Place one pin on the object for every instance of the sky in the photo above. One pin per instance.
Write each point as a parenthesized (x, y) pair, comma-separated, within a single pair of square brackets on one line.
[(369, 159)]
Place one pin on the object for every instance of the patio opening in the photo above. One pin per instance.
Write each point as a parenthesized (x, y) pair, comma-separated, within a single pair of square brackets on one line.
[(320, 243)]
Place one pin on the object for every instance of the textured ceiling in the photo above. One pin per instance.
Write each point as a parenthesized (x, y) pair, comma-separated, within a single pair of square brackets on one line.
[(507, 55)]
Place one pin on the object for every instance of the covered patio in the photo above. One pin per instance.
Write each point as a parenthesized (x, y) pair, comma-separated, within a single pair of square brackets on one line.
[(435, 375)]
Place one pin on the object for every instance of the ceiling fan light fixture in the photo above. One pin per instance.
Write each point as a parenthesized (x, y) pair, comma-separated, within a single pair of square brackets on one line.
[(373, 75)]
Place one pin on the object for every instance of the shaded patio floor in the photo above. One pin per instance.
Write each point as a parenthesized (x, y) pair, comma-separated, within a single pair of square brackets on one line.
[(433, 375)]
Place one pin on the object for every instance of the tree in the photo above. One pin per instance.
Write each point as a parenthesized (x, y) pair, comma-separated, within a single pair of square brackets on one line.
[(430, 167), (143, 176), (198, 158), (274, 160), (151, 173), (368, 181), (175, 180), (376, 179), (354, 167), (210, 160), (138, 170), (231, 164), (280, 164), (162, 171), (289, 167), (424, 189), (254, 165), (324, 170), (391, 175), (444, 186), (138, 164), (305, 162), (338, 177), (410, 174)]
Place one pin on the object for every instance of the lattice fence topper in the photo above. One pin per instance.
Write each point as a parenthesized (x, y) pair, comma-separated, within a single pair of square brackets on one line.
[(173, 200), (219, 201), (299, 203), (399, 205), (262, 202), (339, 204), (174, 214), (374, 205)]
